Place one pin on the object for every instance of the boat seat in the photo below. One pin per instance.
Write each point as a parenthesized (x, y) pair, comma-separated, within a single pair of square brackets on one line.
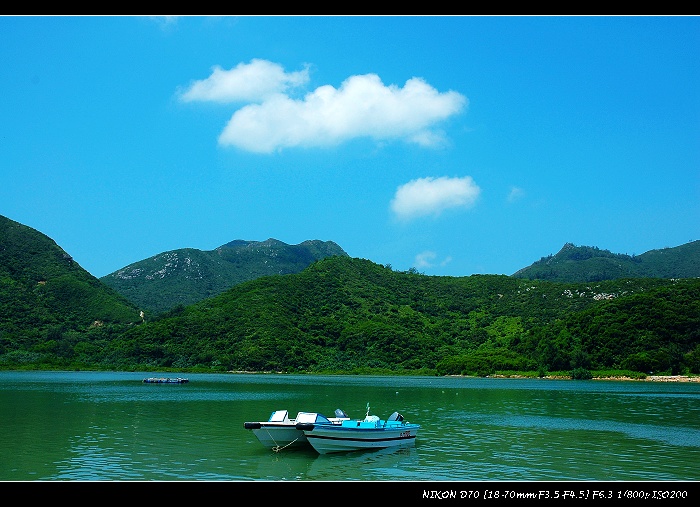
[(340, 414), (371, 419), (395, 417)]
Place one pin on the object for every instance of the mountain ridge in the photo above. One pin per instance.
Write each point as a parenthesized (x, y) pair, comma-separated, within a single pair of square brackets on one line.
[(591, 264), (243, 260), (187, 275)]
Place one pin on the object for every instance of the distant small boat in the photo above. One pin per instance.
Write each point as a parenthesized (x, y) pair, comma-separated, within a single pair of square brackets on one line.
[(165, 380)]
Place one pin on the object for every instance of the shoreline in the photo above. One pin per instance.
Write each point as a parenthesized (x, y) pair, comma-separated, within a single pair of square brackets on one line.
[(649, 378), (668, 378)]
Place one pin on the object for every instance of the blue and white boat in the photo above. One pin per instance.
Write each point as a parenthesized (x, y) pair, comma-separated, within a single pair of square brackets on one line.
[(354, 435)]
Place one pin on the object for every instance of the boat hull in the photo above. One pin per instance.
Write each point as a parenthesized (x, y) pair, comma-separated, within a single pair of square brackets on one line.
[(329, 439), (279, 436)]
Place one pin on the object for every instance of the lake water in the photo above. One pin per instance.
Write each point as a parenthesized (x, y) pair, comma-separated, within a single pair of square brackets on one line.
[(110, 426)]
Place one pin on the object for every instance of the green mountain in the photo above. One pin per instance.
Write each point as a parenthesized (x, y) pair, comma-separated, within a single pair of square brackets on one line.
[(342, 315), (351, 315), (186, 276), (47, 301), (591, 264)]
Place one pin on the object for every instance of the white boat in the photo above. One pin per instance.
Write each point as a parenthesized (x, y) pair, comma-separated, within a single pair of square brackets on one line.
[(368, 433), (280, 432)]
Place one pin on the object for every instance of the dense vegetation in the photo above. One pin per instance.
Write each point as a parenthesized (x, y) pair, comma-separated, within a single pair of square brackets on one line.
[(352, 315), (49, 305), (591, 264), (186, 276), (346, 315)]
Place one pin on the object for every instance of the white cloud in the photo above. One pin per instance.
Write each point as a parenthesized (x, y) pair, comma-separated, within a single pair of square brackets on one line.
[(515, 194), (361, 107), (247, 82), (431, 196), (426, 260), (165, 21)]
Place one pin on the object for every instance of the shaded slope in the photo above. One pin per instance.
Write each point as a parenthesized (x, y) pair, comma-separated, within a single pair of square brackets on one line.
[(45, 294)]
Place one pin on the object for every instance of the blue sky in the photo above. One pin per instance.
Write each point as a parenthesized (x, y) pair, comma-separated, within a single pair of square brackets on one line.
[(453, 145)]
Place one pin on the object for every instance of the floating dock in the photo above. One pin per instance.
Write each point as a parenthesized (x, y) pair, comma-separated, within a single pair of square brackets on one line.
[(163, 380)]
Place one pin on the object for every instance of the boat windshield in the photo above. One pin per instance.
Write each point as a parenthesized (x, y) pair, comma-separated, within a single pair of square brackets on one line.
[(312, 417), (278, 416)]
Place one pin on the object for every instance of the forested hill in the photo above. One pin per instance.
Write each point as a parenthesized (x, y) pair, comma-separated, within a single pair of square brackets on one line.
[(591, 264), (44, 293), (188, 275), (343, 315), (347, 314)]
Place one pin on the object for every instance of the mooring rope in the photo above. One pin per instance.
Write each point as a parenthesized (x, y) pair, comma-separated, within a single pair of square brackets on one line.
[(277, 447)]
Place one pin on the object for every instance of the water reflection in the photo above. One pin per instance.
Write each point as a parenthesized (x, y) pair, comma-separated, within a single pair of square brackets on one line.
[(383, 464)]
